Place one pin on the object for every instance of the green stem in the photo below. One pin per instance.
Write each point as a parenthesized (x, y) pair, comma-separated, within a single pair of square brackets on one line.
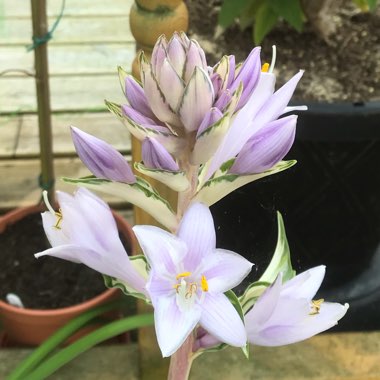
[(70, 352)]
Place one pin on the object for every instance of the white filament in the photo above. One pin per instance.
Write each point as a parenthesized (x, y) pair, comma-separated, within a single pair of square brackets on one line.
[(273, 61), (47, 203)]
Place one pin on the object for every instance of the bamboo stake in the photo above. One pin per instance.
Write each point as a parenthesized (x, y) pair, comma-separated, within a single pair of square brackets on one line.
[(40, 29)]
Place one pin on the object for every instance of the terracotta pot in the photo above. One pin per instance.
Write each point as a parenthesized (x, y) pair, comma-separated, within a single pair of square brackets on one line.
[(30, 327)]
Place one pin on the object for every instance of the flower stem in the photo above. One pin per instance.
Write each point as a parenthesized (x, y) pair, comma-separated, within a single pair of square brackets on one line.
[(181, 361)]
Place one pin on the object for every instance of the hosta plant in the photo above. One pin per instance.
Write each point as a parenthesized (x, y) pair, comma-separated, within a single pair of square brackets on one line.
[(205, 131)]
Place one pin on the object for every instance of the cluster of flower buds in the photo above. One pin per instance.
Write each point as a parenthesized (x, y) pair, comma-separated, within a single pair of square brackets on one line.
[(187, 112)]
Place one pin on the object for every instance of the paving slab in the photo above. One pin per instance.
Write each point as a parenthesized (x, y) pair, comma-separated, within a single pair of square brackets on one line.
[(100, 363), (342, 356)]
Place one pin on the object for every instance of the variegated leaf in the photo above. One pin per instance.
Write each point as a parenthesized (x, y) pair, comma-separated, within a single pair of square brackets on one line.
[(171, 142), (280, 263), (114, 108), (122, 75), (175, 180), (231, 106), (140, 193), (236, 304), (217, 188), (223, 69), (281, 258), (251, 294), (209, 140)]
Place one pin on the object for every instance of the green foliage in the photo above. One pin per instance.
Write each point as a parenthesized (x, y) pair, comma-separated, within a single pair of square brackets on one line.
[(230, 10), (262, 14), (37, 357), (366, 5), (102, 334), (265, 20)]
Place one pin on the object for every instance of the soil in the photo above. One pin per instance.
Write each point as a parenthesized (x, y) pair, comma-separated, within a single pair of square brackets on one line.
[(48, 282), (344, 68)]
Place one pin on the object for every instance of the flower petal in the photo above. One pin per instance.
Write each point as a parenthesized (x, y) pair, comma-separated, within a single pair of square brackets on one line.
[(56, 236), (222, 320), (224, 98), (159, 53), (276, 104), (195, 57), (163, 250), (157, 101), (101, 158), (211, 117), (242, 127), (159, 286), (136, 97), (111, 264), (197, 100), (208, 142), (265, 305), (306, 284), (279, 335), (249, 75), (172, 325), (176, 54), (155, 156), (224, 270), (139, 118), (171, 84), (266, 148), (197, 231)]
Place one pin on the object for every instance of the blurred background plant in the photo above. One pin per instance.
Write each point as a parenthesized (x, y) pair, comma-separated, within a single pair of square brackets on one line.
[(263, 15)]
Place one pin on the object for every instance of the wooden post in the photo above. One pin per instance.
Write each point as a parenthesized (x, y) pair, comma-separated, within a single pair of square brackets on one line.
[(148, 20), (40, 28)]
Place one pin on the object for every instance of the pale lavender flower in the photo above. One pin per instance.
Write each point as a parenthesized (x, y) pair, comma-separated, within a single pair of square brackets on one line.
[(263, 106), (101, 158), (155, 156), (267, 147), (84, 231), (286, 313), (188, 278)]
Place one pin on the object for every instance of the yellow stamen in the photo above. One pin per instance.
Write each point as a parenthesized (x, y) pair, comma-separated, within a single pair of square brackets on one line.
[(316, 306), (176, 286), (204, 283), (265, 67), (183, 274), (59, 216)]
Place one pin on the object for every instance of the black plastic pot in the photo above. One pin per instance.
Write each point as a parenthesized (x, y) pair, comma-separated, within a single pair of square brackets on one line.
[(330, 202)]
